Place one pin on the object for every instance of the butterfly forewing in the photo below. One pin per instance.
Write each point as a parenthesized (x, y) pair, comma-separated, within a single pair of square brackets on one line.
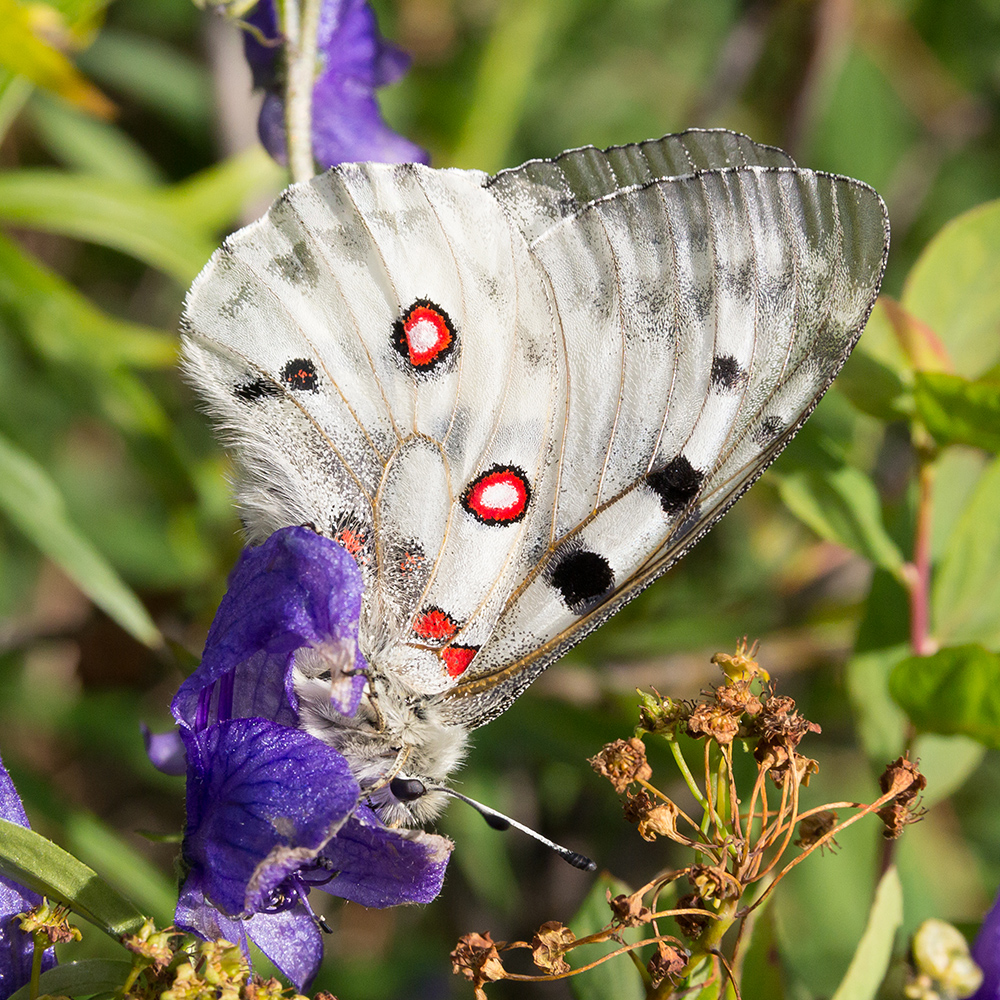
[(516, 400)]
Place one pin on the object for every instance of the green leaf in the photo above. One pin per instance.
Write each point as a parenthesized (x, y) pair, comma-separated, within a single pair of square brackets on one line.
[(954, 287), (33, 861), (33, 503), (946, 762), (213, 198), (524, 31), (873, 387), (128, 871), (760, 971), (131, 218), (842, 506), (64, 326), (959, 411), (616, 979), (956, 690), (155, 74), (80, 979), (965, 596), (89, 145), (880, 724), (874, 952)]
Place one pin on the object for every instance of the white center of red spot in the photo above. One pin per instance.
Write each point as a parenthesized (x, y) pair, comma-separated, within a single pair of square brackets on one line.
[(423, 336), (499, 496)]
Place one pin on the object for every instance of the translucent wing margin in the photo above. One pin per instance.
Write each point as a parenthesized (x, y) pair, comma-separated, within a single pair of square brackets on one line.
[(703, 317)]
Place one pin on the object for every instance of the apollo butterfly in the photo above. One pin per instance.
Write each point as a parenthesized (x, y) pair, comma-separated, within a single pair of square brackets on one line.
[(517, 400)]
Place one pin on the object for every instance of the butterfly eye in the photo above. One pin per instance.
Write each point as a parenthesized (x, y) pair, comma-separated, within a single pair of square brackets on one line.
[(407, 789)]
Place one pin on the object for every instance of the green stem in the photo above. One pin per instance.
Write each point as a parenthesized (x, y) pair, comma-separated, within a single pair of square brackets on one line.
[(299, 26), (40, 942)]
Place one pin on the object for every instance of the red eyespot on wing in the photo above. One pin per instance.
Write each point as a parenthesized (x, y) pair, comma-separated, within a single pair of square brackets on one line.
[(457, 658), (424, 335), (433, 623), (499, 496)]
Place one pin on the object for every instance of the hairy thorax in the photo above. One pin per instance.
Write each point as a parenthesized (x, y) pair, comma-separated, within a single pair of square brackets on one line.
[(395, 732)]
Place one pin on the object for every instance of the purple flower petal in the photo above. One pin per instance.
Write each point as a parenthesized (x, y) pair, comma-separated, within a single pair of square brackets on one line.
[(165, 751), (291, 940), (347, 125), (262, 799), (986, 952), (296, 590), (16, 947), (382, 867), (354, 60)]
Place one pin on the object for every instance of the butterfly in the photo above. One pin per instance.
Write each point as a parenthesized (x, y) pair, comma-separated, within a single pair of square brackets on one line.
[(518, 399)]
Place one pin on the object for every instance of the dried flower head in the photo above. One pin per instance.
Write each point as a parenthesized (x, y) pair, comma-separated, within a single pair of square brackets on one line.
[(659, 821), (669, 961), (691, 925), (628, 911), (814, 828), (637, 805), (715, 722), (549, 945), (903, 779), (476, 957), (622, 762), (713, 882), (896, 817)]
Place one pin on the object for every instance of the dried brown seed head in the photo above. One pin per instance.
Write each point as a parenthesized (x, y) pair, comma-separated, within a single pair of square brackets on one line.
[(623, 762), (670, 961), (637, 805), (815, 827), (903, 779), (628, 911), (716, 723), (476, 957), (660, 821), (691, 925), (549, 945)]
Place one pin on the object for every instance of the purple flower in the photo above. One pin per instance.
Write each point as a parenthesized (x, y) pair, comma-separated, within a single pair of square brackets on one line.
[(355, 59), (16, 947), (986, 952), (272, 811)]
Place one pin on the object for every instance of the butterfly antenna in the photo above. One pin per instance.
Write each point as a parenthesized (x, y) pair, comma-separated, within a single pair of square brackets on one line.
[(498, 821)]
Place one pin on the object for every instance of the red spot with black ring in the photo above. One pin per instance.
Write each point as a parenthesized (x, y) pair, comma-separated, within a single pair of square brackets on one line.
[(499, 496), (424, 335)]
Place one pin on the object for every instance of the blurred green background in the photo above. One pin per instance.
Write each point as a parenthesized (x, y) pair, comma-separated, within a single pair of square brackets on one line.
[(115, 522)]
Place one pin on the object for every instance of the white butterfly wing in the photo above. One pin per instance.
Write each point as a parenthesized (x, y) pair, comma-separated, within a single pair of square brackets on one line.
[(519, 399), (703, 318)]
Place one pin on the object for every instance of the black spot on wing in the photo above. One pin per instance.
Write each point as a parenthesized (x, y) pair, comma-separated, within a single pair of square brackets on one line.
[(260, 388), (676, 484), (726, 372), (300, 373), (582, 578)]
